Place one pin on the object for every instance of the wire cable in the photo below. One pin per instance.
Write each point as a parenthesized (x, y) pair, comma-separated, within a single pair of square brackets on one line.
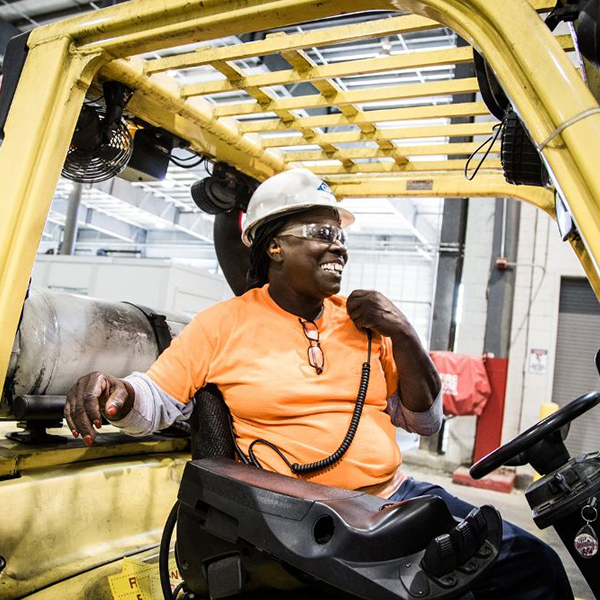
[(298, 469), (178, 589), (186, 165), (163, 553), (491, 141)]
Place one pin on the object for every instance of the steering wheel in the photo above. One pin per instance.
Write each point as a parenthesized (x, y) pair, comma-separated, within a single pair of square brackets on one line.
[(536, 433)]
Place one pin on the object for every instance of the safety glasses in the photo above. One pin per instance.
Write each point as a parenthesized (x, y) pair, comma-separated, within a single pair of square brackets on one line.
[(316, 358), (320, 232)]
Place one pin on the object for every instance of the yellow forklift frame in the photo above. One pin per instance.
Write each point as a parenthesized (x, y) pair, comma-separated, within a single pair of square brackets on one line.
[(64, 59)]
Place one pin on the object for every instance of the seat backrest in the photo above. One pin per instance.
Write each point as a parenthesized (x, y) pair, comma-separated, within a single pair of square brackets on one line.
[(210, 425)]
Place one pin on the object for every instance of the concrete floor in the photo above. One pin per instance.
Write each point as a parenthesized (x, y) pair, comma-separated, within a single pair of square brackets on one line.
[(514, 508)]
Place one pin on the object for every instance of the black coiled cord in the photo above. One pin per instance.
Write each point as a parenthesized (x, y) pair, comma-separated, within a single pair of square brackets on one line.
[(361, 396)]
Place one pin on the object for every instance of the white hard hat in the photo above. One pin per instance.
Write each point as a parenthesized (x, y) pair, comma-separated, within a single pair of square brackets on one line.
[(288, 192)]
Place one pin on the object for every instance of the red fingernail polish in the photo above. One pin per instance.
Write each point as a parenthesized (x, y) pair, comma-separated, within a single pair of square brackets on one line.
[(111, 410), (87, 440), (75, 433)]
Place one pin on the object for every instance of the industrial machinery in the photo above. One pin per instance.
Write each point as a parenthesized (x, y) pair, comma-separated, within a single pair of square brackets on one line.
[(319, 536), (62, 336), (567, 495), (287, 535), (67, 493)]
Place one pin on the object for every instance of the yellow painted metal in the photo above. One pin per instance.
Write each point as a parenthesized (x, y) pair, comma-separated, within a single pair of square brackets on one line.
[(93, 584), (16, 458), (353, 153), (523, 54), (547, 92), (566, 42), (406, 133), (542, 5), (588, 263), (159, 102), (592, 74), (440, 111), (389, 167), (448, 56), (414, 90), (63, 58), (520, 49), (73, 518), (147, 25), (275, 45), (320, 37), (37, 134), (234, 76), (302, 64), (445, 185)]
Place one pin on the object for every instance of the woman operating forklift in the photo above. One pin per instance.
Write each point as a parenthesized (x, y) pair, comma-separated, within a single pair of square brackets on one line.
[(287, 356)]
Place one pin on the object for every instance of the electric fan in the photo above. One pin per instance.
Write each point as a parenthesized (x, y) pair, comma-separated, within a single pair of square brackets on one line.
[(101, 145)]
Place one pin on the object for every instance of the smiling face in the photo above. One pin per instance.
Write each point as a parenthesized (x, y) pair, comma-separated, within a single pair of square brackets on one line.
[(310, 268)]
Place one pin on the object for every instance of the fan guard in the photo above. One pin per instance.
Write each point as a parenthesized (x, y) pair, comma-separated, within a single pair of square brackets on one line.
[(106, 160)]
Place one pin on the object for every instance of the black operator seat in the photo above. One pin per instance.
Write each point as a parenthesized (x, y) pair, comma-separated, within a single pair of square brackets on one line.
[(243, 531)]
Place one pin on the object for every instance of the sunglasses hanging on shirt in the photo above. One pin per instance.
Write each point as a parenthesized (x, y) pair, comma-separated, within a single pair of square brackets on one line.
[(316, 360)]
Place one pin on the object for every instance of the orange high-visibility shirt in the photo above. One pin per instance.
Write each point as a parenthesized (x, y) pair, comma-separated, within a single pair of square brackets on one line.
[(256, 353)]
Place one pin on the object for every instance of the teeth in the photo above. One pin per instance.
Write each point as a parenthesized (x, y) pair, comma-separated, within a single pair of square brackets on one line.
[(333, 267)]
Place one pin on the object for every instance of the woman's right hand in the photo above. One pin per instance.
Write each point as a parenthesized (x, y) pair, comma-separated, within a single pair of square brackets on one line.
[(92, 395)]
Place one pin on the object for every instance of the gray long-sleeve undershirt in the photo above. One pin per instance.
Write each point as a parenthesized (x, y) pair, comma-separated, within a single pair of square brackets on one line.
[(154, 409), (427, 422)]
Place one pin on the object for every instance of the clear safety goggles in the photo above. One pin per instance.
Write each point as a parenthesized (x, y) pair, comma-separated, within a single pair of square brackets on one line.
[(320, 232)]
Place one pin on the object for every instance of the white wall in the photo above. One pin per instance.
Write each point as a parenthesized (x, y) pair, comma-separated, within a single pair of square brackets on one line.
[(542, 260), (161, 284), (475, 276), (406, 279)]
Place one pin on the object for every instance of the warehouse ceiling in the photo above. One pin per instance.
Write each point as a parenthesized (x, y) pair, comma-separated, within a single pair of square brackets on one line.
[(264, 93)]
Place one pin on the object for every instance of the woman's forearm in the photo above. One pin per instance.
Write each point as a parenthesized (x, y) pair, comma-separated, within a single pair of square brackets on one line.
[(418, 380)]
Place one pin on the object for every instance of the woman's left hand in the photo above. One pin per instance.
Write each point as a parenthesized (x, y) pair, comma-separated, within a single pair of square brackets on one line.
[(369, 309), (418, 380)]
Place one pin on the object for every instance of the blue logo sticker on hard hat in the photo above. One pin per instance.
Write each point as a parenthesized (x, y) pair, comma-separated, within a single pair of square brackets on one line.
[(324, 188)]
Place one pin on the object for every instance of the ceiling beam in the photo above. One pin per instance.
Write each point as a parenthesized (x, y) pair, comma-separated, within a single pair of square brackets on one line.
[(90, 218), (196, 224)]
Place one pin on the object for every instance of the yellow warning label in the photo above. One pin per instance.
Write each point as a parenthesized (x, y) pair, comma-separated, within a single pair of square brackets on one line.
[(141, 581)]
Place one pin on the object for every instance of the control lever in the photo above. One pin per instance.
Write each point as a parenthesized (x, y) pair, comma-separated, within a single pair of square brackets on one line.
[(452, 550)]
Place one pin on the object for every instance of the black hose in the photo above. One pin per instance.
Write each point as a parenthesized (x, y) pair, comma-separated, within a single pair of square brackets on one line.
[(163, 553), (337, 455), (178, 589)]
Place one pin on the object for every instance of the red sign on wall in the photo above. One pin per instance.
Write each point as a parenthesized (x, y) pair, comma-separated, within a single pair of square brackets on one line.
[(465, 384)]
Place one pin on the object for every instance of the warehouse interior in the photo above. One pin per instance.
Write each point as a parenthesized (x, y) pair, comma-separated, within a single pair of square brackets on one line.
[(387, 108)]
